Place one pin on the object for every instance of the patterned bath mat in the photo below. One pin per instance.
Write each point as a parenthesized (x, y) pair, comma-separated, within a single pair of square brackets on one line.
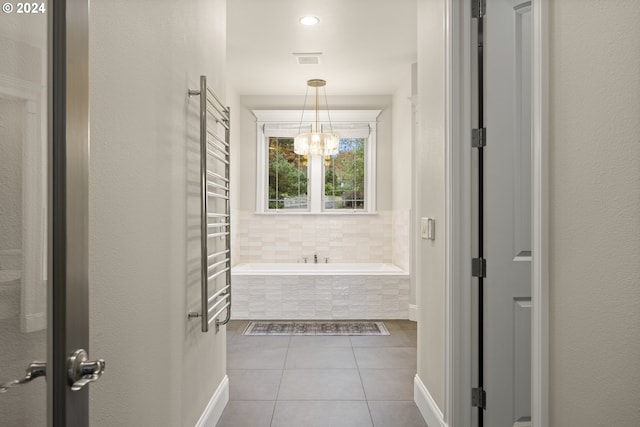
[(316, 328)]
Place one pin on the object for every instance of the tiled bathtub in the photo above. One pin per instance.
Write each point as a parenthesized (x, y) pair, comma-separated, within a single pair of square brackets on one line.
[(319, 291)]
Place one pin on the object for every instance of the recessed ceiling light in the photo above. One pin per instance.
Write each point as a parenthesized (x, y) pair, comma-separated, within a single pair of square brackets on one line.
[(309, 20)]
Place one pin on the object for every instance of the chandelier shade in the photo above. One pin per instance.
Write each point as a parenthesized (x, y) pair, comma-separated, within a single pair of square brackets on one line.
[(316, 142)]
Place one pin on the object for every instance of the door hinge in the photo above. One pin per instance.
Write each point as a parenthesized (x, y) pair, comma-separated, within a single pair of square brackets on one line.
[(479, 267), (478, 8), (478, 398), (478, 137)]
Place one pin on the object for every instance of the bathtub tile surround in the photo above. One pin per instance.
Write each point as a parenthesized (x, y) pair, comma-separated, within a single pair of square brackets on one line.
[(277, 244), (401, 229), (277, 238), (320, 291)]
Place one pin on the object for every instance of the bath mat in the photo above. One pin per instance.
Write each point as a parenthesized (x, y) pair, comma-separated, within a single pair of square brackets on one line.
[(316, 328)]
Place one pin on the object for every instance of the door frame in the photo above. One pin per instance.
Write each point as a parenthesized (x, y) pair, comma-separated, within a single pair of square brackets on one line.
[(68, 213), (458, 332), (458, 279), (540, 218)]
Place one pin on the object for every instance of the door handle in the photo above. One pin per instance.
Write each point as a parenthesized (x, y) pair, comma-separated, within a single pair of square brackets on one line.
[(35, 370), (82, 371)]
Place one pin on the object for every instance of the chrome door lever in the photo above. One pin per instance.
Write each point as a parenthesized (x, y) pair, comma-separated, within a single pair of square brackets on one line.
[(35, 370), (82, 371)]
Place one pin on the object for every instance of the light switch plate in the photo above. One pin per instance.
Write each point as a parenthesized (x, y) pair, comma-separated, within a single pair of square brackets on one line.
[(428, 228)]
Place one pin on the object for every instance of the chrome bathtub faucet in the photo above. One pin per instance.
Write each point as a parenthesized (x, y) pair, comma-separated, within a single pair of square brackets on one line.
[(315, 258)]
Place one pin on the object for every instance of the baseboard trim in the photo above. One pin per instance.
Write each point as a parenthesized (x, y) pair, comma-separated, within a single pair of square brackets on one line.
[(413, 312), (427, 406), (213, 412)]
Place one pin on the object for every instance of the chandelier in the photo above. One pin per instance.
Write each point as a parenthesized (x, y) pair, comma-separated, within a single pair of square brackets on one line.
[(316, 142)]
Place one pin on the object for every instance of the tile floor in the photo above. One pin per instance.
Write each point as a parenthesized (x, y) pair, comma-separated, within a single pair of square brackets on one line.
[(304, 381)]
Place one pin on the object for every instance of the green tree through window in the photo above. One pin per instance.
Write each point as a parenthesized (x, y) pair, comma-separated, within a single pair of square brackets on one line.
[(287, 176), (344, 182)]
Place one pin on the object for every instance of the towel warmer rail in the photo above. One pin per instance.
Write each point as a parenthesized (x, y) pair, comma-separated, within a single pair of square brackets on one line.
[(214, 206)]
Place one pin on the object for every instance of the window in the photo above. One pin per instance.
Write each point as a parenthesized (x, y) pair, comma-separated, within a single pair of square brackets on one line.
[(287, 176), (342, 183)]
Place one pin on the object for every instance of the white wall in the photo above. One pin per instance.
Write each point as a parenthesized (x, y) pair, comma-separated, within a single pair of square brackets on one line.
[(144, 254), (594, 212), (429, 155), (401, 172), (401, 137), (236, 169)]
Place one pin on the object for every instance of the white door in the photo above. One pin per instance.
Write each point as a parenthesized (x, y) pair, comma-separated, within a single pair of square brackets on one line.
[(507, 288)]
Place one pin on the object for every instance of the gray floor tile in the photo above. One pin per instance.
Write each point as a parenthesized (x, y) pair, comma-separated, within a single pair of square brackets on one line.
[(247, 414), (231, 334), (388, 384), (249, 343), (237, 325), (319, 341), (386, 357), (393, 325), (412, 334), (404, 325), (310, 357), (397, 338), (254, 384), (325, 380), (321, 414), (235, 328), (396, 414), (321, 384), (256, 358), (408, 324)]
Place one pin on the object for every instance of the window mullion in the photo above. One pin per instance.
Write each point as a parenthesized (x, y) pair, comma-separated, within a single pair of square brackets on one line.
[(315, 183), (277, 174), (354, 194)]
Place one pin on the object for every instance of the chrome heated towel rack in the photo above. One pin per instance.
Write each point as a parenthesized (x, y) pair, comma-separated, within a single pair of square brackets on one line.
[(215, 212)]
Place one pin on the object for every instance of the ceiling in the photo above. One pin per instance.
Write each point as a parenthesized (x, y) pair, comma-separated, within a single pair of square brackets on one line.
[(367, 45)]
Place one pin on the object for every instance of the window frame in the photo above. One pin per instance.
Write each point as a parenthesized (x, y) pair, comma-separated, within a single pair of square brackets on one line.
[(289, 120), (266, 179), (365, 178)]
